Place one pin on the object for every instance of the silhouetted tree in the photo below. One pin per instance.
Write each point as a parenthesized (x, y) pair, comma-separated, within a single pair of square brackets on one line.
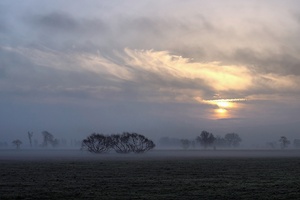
[(49, 139), (233, 139), (17, 143), (284, 142), (131, 142), (97, 143), (139, 143), (30, 134), (121, 143), (205, 139), (185, 143), (124, 143)]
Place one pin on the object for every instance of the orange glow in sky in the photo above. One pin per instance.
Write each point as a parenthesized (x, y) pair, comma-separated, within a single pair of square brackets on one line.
[(224, 106), (221, 113)]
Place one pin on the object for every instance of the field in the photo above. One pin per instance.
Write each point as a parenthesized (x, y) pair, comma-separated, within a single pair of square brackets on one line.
[(155, 175)]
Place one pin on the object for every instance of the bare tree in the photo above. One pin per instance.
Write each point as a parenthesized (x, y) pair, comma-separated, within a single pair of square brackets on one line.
[(284, 142), (131, 142), (121, 143), (205, 139), (97, 143), (30, 134), (17, 143), (140, 143), (233, 139), (124, 143)]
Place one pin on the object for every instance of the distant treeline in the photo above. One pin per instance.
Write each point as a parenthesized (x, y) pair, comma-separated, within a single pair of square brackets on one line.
[(204, 140), (133, 142), (208, 140), (48, 141)]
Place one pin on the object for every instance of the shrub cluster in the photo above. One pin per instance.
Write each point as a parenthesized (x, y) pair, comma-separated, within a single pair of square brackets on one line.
[(121, 143)]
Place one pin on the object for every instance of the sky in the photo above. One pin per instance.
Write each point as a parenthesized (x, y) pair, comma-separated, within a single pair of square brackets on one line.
[(160, 68)]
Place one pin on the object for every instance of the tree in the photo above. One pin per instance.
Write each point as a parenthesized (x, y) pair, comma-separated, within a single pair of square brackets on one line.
[(49, 139), (205, 139), (131, 142), (30, 134), (284, 142), (121, 143), (185, 143), (124, 143), (139, 143), (17, 143), (233, 139), (97, 143)]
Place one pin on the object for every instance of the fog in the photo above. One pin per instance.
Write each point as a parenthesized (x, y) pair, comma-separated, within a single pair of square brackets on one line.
[(77, 155)]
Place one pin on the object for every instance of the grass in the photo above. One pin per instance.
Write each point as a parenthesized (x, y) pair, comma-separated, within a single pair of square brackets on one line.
[(152, 178)]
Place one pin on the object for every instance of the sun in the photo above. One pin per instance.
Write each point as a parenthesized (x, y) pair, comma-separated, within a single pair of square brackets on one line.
[(224, 104), (221, 103), (224, 107)]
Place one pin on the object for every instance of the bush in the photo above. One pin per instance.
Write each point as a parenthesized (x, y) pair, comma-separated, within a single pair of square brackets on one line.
[(121, 143), (97, 143)]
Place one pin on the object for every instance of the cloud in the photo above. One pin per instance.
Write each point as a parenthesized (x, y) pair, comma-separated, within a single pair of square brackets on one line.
[(215, 76), (211, 75), (202, 30), (72, 62), (153, 54), (143, 75), (283, 62)]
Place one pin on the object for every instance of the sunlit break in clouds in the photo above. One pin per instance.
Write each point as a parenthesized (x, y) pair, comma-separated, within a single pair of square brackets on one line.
[(161, 68), (224, 106)]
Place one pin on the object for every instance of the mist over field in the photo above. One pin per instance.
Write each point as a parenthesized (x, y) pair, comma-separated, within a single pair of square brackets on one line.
[(83, 156)]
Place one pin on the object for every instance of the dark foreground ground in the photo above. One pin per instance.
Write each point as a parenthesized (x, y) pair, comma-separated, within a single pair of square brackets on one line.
[(158, 175)]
